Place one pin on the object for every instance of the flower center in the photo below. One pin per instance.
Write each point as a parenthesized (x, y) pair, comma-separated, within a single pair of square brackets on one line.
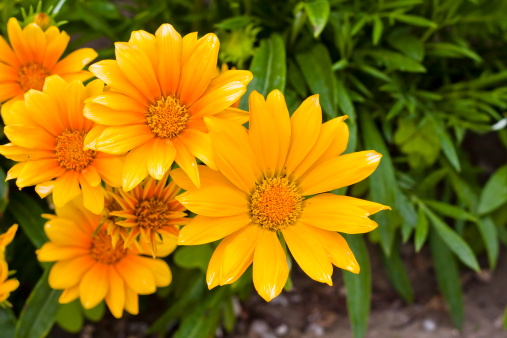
[(167, 117), (152, 213), (276, 203), (102, 248), (70, 153), (32, 76)]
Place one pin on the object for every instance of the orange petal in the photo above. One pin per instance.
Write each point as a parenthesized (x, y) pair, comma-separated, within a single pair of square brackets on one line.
[(93, 197), (207, 177), (203, 229), (137, 276), (215, 201), (215, 100), (75, 61), (170, 46), (115, 298), (68, 273), (120, 139), (105, 115), (199, 145), (161, 157), (135, 167), (275, 103), (186, 161), (51, 252), (110, 169), (35, 172), (94, 285), (66, 188)]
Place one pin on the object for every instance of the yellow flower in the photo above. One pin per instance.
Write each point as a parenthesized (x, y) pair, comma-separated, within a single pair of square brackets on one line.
[(263, 191), (161, 89), (47, 132), (221, 70), (35, 55), (87, 266), (6, 285), (148, 214)]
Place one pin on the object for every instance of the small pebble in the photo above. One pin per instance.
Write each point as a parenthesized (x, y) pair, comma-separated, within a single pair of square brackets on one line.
[(282, 330), (429, 325), (315, 329)]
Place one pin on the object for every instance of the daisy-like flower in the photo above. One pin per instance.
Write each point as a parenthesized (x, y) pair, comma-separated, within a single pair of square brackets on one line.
[(47, 131), (33, 55), (221, 70), (162, 87), (6, 285), (148, 214), (87, 266), (263, 191)]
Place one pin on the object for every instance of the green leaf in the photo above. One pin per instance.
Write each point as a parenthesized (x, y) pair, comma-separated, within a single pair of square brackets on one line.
[(421, 231), (494, 193), (28, 214), (408, 44), (268, 67), (39, 313), (453, 240), (447, 145), (408, 213), (4, 191), (443, 49), (418, 141), (96, 313), (414, 20), (448, 278), (378, 27), (344, 101), (490, 237), (70, 317), (296, 79), (397, 61), (197, 256), (318, 13), (358, 287), (450, 210), (7, 322), (398, 274), (382, 183), (229, 317), (316, 66), (504, 322)]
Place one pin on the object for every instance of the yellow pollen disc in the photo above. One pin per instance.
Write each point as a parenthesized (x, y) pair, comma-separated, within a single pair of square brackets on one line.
[(276, 203), (32, 76), (167, 117), (70, 153), (152, 213), (102, 249)]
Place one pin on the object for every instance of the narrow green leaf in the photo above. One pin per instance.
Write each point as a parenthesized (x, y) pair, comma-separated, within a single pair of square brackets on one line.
[(407, 211), (318, 13), (194, 256), (414, 20), (408, 44), (378, 27), (398, 274), (448, 278), (268, 67), (229, 317), (317, 69), (296, 80), (7, 322), (490, 237), (447, 146), (494, 193), (421, 232), (375, 73), (39, 312), (397, 61), (358, 287), (505, 319), (443, 49), (344, 101), (4, 191), (28, 214), (450, 210), (453, 240)]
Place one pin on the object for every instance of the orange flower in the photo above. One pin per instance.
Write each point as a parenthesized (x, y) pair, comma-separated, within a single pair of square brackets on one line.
[(6, 285), (263, 192), (162, 87), (148, 214), (221, 70), (87, 266), (35, 55), (47, 132)]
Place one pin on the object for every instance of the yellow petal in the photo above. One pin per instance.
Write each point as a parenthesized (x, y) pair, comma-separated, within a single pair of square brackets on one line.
[(197, 70), (105, 115), (36, 39), (215, 201), (15, 171), (215, 264), (93, 197), (115, 298), (75, 61), (18, 43), (338, 249), (137, 276), (270, 269), (55, 49), (68, 273), (159, 268), (66, 188), (327, 213), (35, 172), (120, 139), (232, 152), (136, 67), (146, 43), (308, 252), (9, 90), (235, 115), (207, 177), (170, 46), (161, 157), (340, 172), (69, 294), (135, 167), (62, 231), (19, 154), (110, 169), (217, 99), (370, 207), (91, 175), (276, 105), (238, 255), (203, 229), (199, 145), (186, 161), (94, 285), (51, 252), (118, 101), (30, 137), (45, 188), (7, 56), (305, 128), (131, 301), (338, 144)]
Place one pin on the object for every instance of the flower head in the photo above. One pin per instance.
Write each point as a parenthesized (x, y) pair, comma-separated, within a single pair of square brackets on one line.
[(47, 132), (149, 214), (6, 285), (33, 55), (162, 87), (89, 267), (264, 189)]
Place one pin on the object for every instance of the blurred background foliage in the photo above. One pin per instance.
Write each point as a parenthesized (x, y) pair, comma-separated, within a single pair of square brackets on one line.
[(423, 82)]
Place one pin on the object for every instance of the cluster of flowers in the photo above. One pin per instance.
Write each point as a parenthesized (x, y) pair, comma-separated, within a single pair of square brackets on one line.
[(104, 152)]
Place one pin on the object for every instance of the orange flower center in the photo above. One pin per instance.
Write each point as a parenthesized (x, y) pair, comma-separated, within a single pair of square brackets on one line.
[(70, 153), (152, 213), (276, 203), (32, 76), (102, 248), (167, 117)]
